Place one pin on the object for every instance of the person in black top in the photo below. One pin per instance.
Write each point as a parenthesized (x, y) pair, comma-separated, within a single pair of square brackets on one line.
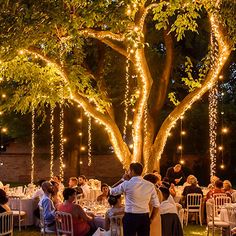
[(175, 175), (3, 202)]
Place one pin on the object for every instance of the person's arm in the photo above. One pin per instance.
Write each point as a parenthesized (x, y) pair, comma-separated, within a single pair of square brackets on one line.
[(119, 189), (79, 212), (49, 210), (154, 213)]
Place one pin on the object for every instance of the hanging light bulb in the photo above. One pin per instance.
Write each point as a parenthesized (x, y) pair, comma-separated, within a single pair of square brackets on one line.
[(222, 166), (225, 130), (182, 162)]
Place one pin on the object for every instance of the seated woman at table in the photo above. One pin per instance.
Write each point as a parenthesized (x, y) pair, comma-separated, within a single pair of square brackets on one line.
[(192, 188), (227, 186), (213, 180), (56, 196), (105, 193), (3, 202), (116, 209), (80, 218)]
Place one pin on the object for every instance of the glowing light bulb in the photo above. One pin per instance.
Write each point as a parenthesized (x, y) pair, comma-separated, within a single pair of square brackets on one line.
[(64, 140), (183, 132), (220, 148), (4, 95), (80, 162), (221, 77), (130, 122), (222, 166), (129, 12), (1, 113), (131, 146), (82, 148), (225, 130), (79, 120), (80, 134), (4, 130), (170, 134), (180, 147), (63, 165), (182, 161)]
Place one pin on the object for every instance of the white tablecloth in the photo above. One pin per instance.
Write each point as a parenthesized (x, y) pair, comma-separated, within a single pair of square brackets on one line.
[(27, 205)]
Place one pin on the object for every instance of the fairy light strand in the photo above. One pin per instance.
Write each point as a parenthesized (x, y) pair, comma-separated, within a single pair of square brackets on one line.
[(32, 146), (51, 141), (61, 130), (89, 141)]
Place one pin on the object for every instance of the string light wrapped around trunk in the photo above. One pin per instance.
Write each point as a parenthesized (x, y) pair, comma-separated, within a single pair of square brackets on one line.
[(89, 141), (32, 145), (61, 156), (51, 141)]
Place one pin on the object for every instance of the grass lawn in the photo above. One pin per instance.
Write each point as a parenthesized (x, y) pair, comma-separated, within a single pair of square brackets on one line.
[(190, 230)]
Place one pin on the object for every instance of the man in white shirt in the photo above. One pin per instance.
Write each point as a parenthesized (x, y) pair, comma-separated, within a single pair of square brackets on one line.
[(83, 184), (138, 194)]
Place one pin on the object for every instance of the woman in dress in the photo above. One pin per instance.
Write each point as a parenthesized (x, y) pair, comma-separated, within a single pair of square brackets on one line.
[(105, 194), (80, 218)]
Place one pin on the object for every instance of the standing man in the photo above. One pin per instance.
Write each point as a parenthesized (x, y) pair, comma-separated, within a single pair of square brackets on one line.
[(176, 175), (138, 194)]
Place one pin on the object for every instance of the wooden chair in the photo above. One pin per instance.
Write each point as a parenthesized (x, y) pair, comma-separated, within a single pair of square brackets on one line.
[(6, 223), (116, 225), (42, 225), (64, 223), (16, 207), (194, 205)]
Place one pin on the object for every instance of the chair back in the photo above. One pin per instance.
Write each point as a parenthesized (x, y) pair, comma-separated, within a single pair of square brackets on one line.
[(64, 223), (219, 195), (219, 202), (41, 219), (15, 203), (231, 211), (194, 200), (116, 225), (6, 223)]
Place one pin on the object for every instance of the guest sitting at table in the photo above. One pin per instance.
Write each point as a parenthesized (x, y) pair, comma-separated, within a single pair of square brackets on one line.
[(48, 206), (73, 183), (188, 181), (217, 189), (82, 182), (213, 179), (116, 209), (175, 175), (56, 196), (57, 179), (192, 188), (105, 193), (227, 186), (170, 186), (80, 218), (3, 202)]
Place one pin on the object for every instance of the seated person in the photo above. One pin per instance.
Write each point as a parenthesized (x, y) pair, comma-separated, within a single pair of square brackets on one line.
[(57, 179), (227, 186), (105, 193), (192, 188), (39, 192), (3, 202), (48, 206), (188, 181), (56, 196), (80, 218), (73, 183), (116, 209), (170, 186), (155, 172), (212, 182), (217, 189), (82, 181), (167, 205)]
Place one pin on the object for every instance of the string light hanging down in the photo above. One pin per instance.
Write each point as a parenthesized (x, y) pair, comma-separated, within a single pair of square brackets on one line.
[(51, 141), (89, 141), (61, 155), (213, 104), (32, 146)]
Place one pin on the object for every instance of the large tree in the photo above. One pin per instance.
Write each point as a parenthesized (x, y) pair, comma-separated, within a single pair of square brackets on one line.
[(58, 51)]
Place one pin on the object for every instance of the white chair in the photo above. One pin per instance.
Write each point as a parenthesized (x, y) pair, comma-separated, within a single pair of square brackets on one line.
[(216, 222), (231, 212), (16, 206), (42, 225), (64, 223), (194, 205), (116, 225), (6, 223), (219, 202)]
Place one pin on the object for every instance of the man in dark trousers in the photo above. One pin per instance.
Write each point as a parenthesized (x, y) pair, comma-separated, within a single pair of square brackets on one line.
[(175, 175), (138, 194)]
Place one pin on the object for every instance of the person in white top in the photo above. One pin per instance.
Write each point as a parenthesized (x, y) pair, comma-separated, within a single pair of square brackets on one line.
[(168, 203), (82, 181), (138, 194)]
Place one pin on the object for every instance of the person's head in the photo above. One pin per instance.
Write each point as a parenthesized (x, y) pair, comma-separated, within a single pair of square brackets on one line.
[(82, 180), (165, 192), (56, 178), (73, 182), (55, 186), (227, 185), (47, 187), (135, 169), (151, 178), (219, 184), (69, 194), (177, 168), (214, 179), (3, 197), (193, 180), (40, 182), (114, 200), (105, 189)]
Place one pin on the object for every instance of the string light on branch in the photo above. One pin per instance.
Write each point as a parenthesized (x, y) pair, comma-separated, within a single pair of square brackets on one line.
[(89, 141), (61, 130), (51, 141), (32, 146)]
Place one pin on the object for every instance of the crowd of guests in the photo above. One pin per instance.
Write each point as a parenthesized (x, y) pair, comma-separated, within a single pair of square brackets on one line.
[(148, 208)]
